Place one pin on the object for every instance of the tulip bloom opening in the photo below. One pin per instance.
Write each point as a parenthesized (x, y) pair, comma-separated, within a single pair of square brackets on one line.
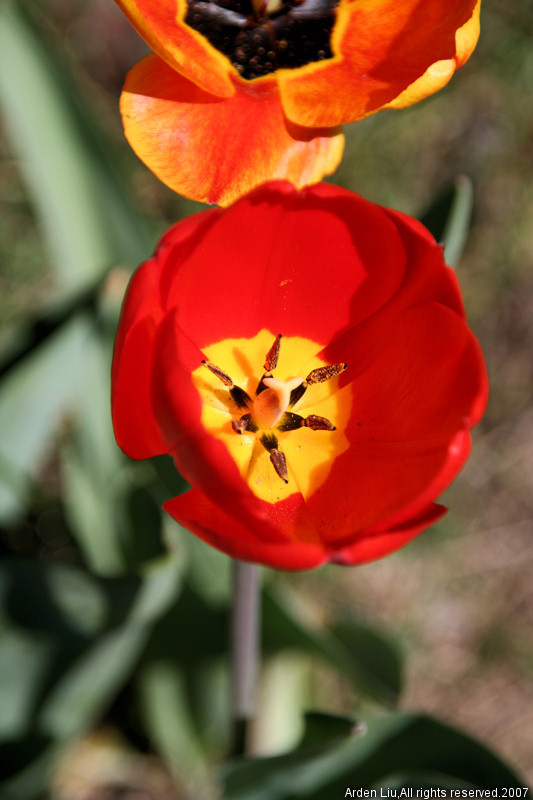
[(319, 402), (239, 92), (268, 416)]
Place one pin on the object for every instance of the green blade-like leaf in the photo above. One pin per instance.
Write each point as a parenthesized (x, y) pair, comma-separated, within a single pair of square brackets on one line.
[(94, 478), (376, 657), (34, 396), (24, 662), (457, 225), (166, 711), (85, 690), (326, 729), (366, 657), (449, 217), (87, 218), (402, 749)]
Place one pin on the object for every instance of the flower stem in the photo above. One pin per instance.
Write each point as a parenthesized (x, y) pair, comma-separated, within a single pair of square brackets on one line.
[(244, 650)]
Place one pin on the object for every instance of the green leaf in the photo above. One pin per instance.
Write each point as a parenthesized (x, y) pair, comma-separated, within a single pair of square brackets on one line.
[(366, 657), (209, 570), (88, 687), (191, 637), (455, 231), (34, 396), (24, 663), (449, 217), (109, 502), (93, 469), (28, 762), (376, 657), (87, 218), (30, 333), (167, 716), (403, 749), (326, 729)]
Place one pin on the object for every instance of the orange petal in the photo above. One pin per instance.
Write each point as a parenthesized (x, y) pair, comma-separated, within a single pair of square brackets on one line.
[(439, 73), (216, 150), (382, 47), (181, 47)]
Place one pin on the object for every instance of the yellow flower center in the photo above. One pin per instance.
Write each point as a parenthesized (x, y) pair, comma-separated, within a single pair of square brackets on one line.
[(282, 430)]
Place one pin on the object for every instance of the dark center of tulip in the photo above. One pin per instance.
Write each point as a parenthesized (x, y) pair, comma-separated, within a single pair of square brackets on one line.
[(261, 36), (268, 411)]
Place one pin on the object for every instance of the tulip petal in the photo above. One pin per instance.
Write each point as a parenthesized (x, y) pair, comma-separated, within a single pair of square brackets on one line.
[(184, 50), (439, 73), (378, 545), (382, 48), (290, 262), (427, 384), (136, 429), (424, 280), (215, 150), (234, 536)]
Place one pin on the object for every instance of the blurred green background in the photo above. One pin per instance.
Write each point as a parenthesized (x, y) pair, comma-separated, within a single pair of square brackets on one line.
[(112, 679)]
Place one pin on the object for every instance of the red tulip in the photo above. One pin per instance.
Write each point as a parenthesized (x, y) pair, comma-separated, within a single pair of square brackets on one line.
[(243, 91), (304, 358)]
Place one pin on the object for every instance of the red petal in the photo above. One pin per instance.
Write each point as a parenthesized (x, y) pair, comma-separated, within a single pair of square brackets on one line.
[(424, 280), (195, 511), (289, 262), (427, 384), (136, 427), (378, 545), (216, 150)]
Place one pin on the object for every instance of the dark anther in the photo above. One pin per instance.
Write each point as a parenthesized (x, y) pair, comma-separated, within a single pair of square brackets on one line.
[(279, 462), (290, 422), (271, 358), (224, 377), (297, 394), (317, 423), (277, 458), (244, 425), (241, 398), (325, 373)]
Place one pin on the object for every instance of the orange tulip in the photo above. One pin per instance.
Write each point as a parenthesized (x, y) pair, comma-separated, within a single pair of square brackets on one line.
[(243, 91)]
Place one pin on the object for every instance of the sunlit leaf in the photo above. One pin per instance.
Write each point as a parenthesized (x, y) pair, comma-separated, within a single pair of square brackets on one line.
[(34, 396), (167, 715), (88, 222)]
